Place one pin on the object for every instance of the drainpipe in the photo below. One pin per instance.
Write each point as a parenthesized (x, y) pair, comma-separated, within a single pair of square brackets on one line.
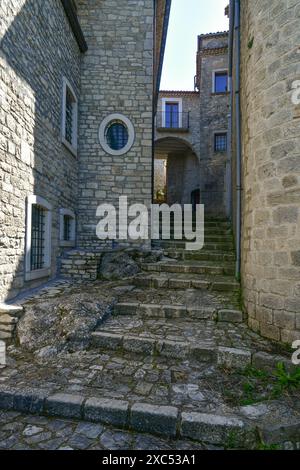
[(237, 33), (230, 116)]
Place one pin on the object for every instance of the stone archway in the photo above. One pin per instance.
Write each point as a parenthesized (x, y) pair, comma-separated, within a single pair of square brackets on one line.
[(176, 171)]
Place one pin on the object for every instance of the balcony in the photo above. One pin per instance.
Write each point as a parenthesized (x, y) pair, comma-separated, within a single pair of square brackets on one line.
[(173, 122)]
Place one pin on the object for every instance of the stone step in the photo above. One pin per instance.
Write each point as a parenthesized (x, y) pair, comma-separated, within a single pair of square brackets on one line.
[(224, 239), (200, 255), (202, 352), (178, 311), (162, 420), (192, 267), (182, 245), (164, 281)]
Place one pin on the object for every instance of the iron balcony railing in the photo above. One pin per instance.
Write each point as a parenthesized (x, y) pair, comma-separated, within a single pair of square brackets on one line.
[(180, 121)]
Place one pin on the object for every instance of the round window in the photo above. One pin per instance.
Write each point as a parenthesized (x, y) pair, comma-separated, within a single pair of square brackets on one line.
[(116, 135)]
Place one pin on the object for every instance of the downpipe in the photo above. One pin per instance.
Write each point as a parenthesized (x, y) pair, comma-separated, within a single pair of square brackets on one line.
[(237, 39)]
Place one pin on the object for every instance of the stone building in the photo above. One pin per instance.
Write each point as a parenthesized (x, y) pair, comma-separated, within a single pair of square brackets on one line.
[(77, 87), (266, 143), (177, 143), (191, 132)]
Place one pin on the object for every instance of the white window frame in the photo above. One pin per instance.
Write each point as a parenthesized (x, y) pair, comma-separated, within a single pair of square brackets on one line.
[(224, 131), (72, 241), (214, 73), (71, 147), (46, 270), (164, 110)]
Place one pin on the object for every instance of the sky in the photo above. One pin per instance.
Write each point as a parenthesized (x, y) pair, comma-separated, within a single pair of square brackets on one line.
[(188, 19)]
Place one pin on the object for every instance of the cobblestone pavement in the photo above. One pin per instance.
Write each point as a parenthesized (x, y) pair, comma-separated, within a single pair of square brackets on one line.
[(23, 432)]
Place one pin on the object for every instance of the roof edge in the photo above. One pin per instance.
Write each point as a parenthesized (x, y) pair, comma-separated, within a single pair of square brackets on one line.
[(74, 23)]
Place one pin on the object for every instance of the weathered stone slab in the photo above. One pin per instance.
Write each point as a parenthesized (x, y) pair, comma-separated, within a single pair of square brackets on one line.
[(104, 340), (265, 361), (64, 405), (29, 401), (210, 428), (126, 308), (173, 349), (231, 316), (160, 420), (138, 345), (234, 358), (107, 411)]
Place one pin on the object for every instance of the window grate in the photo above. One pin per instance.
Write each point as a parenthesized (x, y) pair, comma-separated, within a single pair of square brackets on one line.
[(69, 117), (220, 142), (37, 237), (117, 135), (67, 227)]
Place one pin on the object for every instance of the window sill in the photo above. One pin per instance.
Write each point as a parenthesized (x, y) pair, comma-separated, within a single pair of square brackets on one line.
[(39, 273), (70, 147), (221, 93), (65, 243), (173, 129)]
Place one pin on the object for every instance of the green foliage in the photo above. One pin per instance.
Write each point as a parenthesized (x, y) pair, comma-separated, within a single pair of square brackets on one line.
[(232, 441), (251, 42), (263, 446), (285, 380), (252, 372)]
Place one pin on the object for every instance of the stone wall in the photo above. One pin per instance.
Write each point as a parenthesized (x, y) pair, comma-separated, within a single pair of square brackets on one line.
[(117, 77), (214, 109), (37, 49), (271, 167), (80, 265)]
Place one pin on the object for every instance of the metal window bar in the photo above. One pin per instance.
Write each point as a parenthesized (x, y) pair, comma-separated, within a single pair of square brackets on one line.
[(69, 116), (37, 237), (220, 142), (117, 136), (67, 227), (164, 122)]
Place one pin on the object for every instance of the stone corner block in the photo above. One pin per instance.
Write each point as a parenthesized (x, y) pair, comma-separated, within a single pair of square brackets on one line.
[(107, 411), (154, 419), (14, 310), (7, 399), (234, 358), (230, 316), (64, 405), (268, 362), (211, 428), (30, 401)]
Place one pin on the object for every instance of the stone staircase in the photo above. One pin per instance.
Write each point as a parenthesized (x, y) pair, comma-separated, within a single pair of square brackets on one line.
[(163, 361), (182, 322)]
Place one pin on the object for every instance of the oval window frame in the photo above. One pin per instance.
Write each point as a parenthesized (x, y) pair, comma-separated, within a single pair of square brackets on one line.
[(102, 133)]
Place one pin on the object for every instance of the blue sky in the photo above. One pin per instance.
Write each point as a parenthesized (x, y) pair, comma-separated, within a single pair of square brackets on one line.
[(188, 19)]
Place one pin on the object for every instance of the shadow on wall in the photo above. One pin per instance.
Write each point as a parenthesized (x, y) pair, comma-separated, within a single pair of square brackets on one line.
[(37, 50)]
